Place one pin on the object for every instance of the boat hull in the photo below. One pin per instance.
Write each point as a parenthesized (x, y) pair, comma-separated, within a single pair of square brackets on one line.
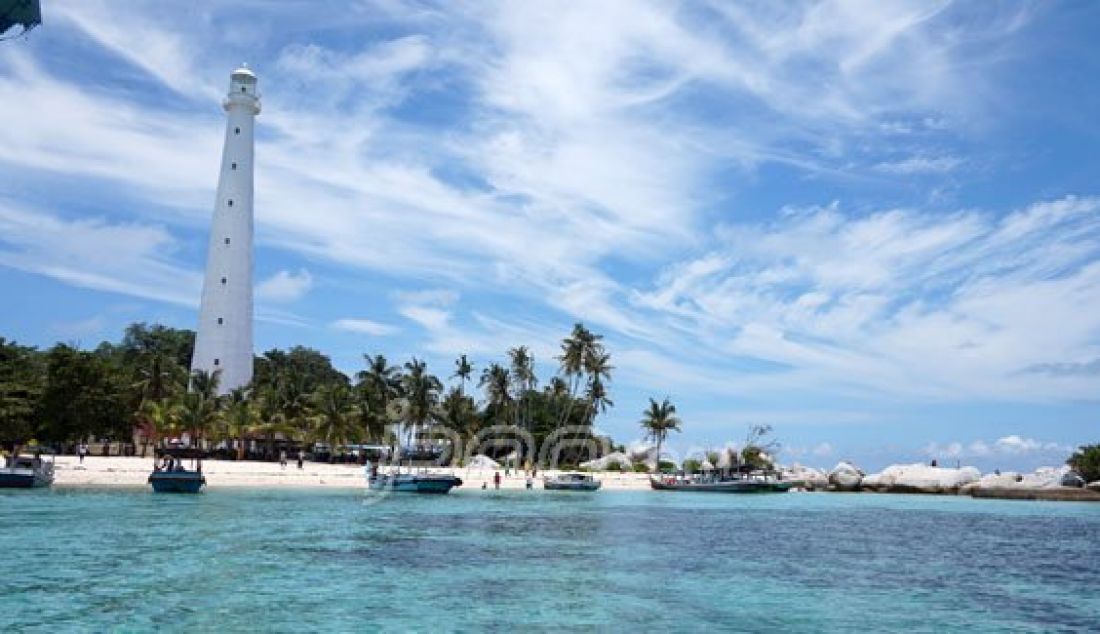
[(726, 486), (412, 483), (177, 482), (550, 485), (24, 479)]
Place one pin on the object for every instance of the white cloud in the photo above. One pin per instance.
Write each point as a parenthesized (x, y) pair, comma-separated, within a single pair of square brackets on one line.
[(1006, 446), (285, 286), (920, 165), (901, 301), (127, 258), (364, 326)]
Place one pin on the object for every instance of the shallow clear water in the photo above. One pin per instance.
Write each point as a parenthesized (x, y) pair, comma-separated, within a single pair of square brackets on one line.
[(295, 560)]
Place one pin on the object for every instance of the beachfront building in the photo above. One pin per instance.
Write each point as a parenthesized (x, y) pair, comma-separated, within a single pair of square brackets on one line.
[(224, 340)]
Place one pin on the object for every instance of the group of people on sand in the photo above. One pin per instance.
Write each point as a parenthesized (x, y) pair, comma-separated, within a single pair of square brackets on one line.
[(529, 480), (282, 458)]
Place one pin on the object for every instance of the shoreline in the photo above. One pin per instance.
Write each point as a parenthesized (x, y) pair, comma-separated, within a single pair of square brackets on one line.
[(132, 472)]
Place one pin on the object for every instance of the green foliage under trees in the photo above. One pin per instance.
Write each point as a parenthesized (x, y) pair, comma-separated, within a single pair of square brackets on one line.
[(1086, 461)]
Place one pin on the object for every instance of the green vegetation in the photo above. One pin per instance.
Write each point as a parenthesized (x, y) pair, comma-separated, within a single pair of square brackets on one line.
[(1086, 461), (658, 421), (139, 389)]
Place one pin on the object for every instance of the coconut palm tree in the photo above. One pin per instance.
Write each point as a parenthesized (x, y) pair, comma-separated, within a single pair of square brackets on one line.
[(523, 376), (199, 415), (421, 393), (241, 418), (598, 366), (335, 415), (159, 376), (459, 412), (597, 398), (658, 421), (463, 370), (159, 418), (378, 386), (206, 383), (497, 383), (577, 351)]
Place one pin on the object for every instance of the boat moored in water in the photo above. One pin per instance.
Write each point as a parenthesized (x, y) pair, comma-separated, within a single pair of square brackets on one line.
[(717, 482), (170, 476), (27, 472), (424, 482), (571, 482)]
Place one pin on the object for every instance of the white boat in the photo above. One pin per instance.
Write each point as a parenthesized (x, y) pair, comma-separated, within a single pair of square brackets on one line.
[(411, 482), (24, 472), (570, 482)]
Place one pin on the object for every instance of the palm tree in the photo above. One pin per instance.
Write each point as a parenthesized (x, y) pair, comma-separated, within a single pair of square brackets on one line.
[(335, 415), (597, 398), (159, 377), (577, 351), (497, 383), (459, 412), (657, 421), (199, 415), (378, 386), (421, 393), (598, 366), (206, 383), (523, 375), (242, 417), (463, 370), (159, 418)]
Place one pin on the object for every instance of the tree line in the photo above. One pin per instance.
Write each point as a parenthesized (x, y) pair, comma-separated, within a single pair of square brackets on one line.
[(64, 394)]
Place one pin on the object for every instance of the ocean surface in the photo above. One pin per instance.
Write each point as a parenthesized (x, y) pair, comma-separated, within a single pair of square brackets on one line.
[(304, 560)]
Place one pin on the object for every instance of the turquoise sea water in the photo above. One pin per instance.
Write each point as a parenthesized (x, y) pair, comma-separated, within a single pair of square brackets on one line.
[(302, 560)]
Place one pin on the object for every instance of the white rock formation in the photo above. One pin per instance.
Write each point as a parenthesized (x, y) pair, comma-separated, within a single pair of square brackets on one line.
[(815, 479), (1041, 478), (845, 476), (619, 458), (921, 478), (482, 461)]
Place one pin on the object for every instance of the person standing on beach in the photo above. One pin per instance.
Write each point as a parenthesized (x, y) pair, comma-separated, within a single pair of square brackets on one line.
[(282, 458), (301, 457), (496, 479), (82, 450)]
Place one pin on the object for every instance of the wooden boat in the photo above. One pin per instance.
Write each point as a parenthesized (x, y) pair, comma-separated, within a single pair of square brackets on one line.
[(759, 483), (412, 482), (571, 482), (27, 472), (170, 476)]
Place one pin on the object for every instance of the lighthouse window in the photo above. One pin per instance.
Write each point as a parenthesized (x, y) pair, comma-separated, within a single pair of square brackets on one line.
[(233, 166), (236, 130), (217, 361), (227, 240), (242, 88), (230, 202), (223, 280), (219, 321)]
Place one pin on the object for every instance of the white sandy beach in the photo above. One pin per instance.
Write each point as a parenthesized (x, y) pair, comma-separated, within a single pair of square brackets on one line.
[(132, 472)]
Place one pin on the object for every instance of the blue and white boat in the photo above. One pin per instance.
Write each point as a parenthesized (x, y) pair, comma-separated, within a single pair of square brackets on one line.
[(26, 472), (411, 482), (170, 476)]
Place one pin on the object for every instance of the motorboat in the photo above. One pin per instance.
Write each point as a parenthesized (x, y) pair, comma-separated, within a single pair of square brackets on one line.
[(27, 471), (423, 482), (719, 482), (170, 476), (571, 482)]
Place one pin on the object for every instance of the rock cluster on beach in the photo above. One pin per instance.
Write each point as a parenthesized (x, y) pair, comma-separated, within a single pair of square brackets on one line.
[(1047, 483)]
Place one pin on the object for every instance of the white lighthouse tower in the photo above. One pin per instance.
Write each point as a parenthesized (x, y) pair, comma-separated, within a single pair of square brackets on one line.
[(224, 341)]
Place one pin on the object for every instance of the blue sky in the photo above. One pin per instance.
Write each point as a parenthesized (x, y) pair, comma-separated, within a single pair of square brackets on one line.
[(875, 226)]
